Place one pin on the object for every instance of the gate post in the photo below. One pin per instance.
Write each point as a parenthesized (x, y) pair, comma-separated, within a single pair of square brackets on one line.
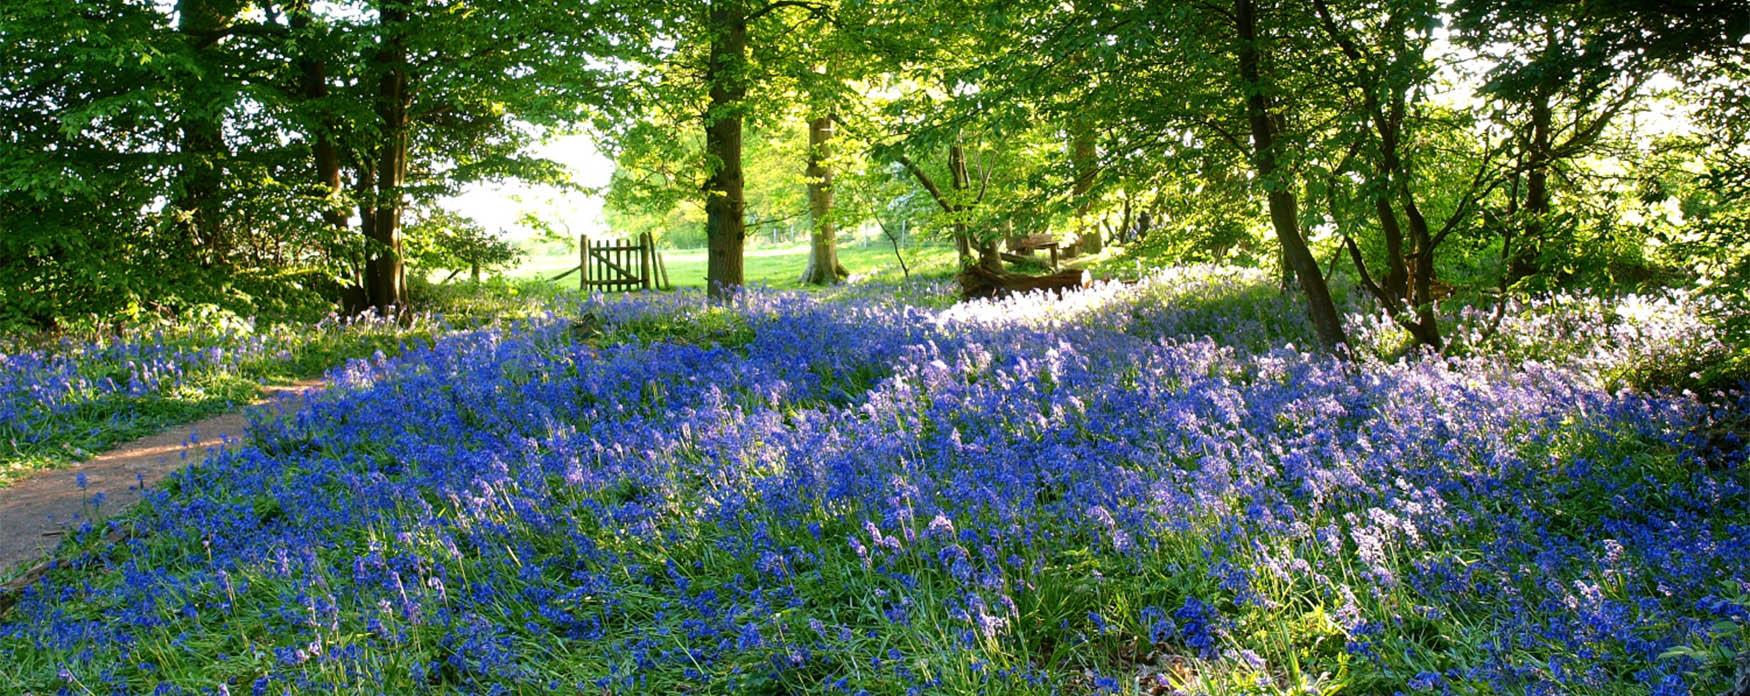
[(646, 254), (583, 263)]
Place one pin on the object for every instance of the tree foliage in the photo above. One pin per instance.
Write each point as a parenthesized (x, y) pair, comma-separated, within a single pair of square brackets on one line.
[(1405, 149)]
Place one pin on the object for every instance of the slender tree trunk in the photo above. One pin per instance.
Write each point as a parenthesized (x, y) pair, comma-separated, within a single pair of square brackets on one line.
[(1537, 197), (385, 277), (364, 188), (1391, 178), (1426, 328), (988, 255), (201, 121), (1085, 158), (960, 181), (1397, 277), (1418, 264), (356, 296), (1284, 212), (313, 87), (1126, 220), (823, 259), (725, 198)]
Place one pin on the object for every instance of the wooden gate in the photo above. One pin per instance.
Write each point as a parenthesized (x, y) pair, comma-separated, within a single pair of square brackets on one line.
[(622, 265)]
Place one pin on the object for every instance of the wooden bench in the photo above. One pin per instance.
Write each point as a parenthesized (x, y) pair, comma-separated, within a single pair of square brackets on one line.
[(1032, 243)]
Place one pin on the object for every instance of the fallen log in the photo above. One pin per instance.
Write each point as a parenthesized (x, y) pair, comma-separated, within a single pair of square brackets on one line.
[(979, 283)]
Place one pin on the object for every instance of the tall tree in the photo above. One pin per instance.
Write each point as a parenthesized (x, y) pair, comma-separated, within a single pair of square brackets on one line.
[(206, 94), (1562, 71), (704, 59), (318, 120), (1278, 183), (1237, 75), (1383, 60), (1085, 167), (823, 258), (452, 88)]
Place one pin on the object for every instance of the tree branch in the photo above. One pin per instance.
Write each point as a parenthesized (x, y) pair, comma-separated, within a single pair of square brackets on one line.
[(928, 183), (814, 8)]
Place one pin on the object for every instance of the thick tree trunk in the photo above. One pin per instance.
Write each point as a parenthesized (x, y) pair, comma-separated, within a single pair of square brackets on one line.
[(200, 122), (1284, 208), (385, 277), (1084, 156), (725, 198), (823, 259)]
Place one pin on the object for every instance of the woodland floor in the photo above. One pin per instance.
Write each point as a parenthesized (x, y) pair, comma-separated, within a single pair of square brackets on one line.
[(1135, 488)]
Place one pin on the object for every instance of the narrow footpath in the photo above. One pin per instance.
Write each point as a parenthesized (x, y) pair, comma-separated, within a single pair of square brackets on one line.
[(38, 510)]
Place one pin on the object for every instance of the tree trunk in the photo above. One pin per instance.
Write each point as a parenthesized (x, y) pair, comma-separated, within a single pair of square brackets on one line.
[(1416, 269), (1284, 212), (1537, 198), (1126, 220), (725, 199), (1426, 328), (823, 259), (961, 181), (200, 120), (1084, 156), (989, 256), (1397, 275), (364, 186), (385, 277), (313, 88)]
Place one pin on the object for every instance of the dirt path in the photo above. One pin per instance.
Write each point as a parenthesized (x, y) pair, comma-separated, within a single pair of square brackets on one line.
[(37, 511)]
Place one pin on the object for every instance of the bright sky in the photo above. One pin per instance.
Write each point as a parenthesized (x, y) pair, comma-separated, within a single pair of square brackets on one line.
[(500, 205)]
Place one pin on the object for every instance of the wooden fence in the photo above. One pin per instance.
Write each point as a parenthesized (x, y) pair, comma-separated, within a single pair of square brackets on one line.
[(622, 265)]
